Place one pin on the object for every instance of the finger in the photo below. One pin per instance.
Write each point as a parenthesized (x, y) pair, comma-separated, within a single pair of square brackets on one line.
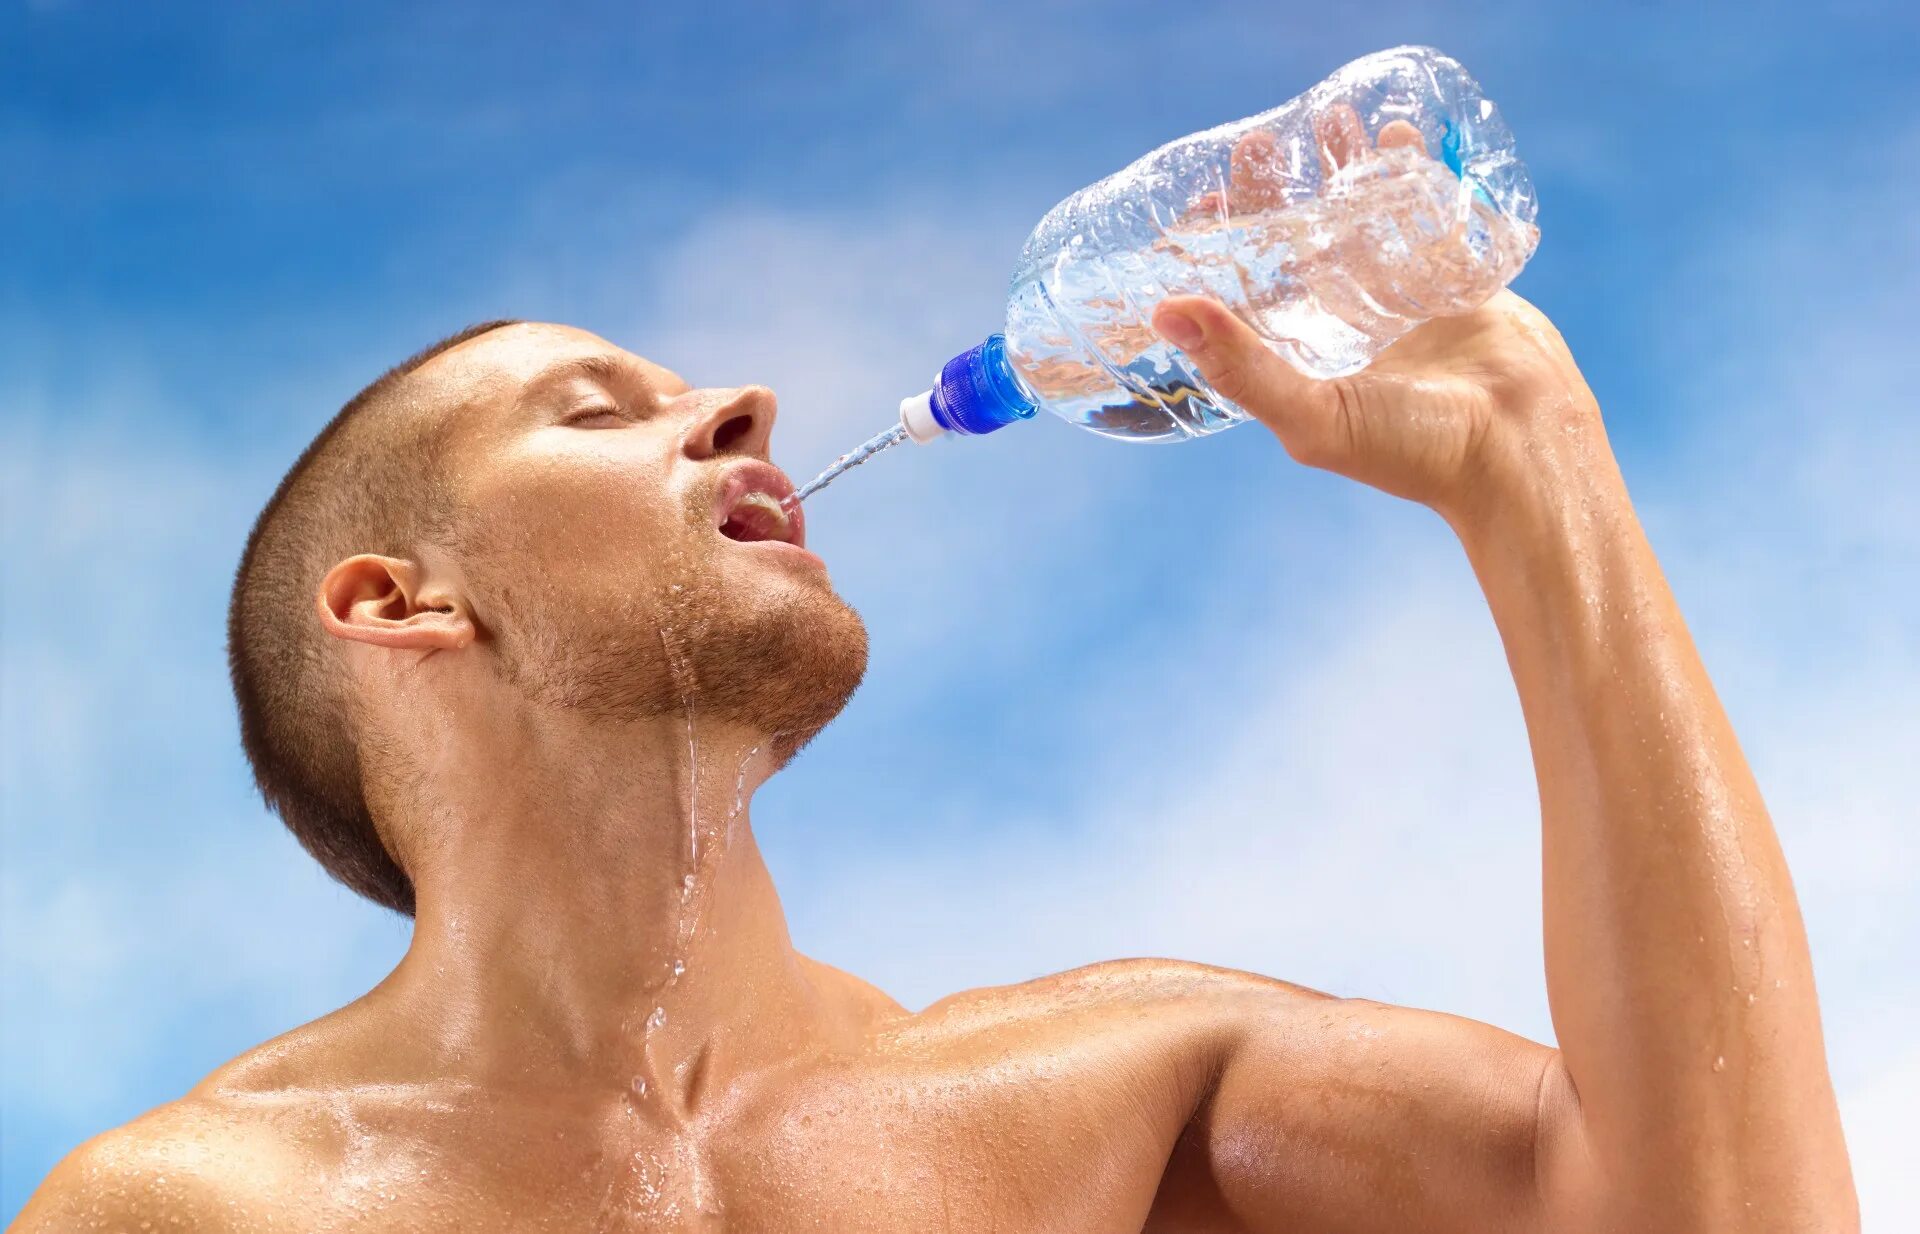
[(1256, 177), (1206, 207), (1398, 133), (1238, 364), (1341, 137)]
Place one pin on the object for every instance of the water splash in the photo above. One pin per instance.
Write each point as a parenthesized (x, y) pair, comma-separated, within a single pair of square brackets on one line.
[(846, 462)]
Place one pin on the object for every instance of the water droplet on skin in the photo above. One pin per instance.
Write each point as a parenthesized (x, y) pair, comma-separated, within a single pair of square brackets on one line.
[(1752, 998), (679, 966), (1719, 1062)]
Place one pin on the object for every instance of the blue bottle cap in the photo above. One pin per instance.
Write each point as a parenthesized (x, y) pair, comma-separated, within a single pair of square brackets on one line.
[(979, 392)]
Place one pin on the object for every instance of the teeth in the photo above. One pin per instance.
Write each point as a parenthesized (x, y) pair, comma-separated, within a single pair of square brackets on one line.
[(765, 503)]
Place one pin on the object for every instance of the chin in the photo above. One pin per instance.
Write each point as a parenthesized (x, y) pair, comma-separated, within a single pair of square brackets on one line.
[(786, 665)]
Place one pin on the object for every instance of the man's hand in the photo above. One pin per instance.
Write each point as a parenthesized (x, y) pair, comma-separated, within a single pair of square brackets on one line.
[(1431, 418)]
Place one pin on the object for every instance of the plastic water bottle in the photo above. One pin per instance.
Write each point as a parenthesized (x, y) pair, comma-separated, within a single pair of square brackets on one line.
[(1386, 195)]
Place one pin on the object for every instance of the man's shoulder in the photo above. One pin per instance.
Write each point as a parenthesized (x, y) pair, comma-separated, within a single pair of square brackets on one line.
[(1146, 1004), (1132, 1046), (197, 1163), (240, 1138), (1147, 982)]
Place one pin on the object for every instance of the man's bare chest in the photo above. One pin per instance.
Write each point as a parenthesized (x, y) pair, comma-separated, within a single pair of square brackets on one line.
[(827, 1153)]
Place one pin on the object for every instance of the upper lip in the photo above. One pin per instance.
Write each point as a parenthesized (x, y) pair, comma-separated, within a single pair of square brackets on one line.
[(754, 476)]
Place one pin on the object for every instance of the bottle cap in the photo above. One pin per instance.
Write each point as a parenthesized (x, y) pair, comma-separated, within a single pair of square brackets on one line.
[(916, 416), (977, 392)]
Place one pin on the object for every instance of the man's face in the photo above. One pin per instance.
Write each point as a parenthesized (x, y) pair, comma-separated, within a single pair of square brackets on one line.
[(622, 542)]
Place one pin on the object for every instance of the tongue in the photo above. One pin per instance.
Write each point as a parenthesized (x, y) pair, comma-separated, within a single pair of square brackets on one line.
[(755, 517)]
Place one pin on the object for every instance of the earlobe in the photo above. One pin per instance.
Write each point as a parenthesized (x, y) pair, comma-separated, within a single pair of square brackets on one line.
[(380, 600)]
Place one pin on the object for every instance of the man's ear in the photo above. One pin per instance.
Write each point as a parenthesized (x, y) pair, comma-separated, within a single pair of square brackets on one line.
[(383, 601)]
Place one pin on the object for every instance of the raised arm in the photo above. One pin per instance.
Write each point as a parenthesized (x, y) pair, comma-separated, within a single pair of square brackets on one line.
[(1690, 1090)]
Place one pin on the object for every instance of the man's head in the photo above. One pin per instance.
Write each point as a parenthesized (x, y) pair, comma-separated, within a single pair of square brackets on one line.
[(574, 520)]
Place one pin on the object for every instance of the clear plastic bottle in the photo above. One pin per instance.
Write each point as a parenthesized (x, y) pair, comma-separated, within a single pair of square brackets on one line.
[(1386, 195)]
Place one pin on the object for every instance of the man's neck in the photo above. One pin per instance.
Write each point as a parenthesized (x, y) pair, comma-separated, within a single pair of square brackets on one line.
[(591, 905)]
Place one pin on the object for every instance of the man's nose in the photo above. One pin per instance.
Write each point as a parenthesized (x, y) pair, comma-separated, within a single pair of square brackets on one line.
[(738, 421)]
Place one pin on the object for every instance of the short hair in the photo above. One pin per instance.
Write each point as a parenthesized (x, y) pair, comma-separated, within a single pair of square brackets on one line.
[(373, 481)]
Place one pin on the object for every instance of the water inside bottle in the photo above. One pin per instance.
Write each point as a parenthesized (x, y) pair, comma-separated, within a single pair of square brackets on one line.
[(1392, 240)]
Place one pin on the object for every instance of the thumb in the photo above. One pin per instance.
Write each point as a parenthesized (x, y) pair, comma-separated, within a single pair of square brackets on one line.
[(1304, 412)]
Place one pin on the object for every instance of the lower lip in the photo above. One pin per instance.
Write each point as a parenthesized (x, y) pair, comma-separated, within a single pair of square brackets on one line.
[(781, 547)]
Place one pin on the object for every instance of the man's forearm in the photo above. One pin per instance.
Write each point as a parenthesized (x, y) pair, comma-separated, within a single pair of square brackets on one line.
[(1677, 966)]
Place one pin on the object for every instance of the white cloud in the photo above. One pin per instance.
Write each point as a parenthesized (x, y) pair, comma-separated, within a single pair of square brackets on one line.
[(132, 842), (1317, 825)]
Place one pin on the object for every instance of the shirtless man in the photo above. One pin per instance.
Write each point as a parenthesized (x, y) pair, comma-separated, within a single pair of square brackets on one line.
[(515, 642)]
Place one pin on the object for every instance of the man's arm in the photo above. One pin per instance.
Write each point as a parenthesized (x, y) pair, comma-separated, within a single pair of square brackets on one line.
[(1696, 1083), (1690, 1091)]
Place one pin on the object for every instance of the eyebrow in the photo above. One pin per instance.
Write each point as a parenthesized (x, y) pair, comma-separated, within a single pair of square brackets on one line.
[(607, 370)]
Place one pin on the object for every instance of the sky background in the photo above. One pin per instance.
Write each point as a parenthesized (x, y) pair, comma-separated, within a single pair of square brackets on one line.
[(1194, 700)]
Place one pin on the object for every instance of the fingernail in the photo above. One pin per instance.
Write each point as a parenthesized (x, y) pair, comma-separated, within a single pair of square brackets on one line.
[(1178, 328)]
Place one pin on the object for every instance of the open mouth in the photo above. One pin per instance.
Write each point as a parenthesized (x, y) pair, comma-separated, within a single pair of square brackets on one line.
[(757, 516), (751, 509)]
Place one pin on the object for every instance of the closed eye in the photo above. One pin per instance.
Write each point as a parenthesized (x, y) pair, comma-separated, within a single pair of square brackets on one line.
[(595, 417)]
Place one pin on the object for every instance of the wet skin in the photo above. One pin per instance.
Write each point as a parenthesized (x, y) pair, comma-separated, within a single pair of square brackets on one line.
[(579, 1039)]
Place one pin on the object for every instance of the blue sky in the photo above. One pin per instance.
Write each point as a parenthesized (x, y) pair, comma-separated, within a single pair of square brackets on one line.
[(1191, 700)]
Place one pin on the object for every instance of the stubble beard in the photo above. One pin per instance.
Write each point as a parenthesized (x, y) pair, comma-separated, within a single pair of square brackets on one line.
[(784, 665)]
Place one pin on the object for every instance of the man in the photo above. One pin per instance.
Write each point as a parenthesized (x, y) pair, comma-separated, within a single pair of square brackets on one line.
[(521, 632)]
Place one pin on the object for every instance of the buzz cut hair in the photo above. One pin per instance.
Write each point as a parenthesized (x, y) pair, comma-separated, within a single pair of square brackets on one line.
[(373, 481)]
